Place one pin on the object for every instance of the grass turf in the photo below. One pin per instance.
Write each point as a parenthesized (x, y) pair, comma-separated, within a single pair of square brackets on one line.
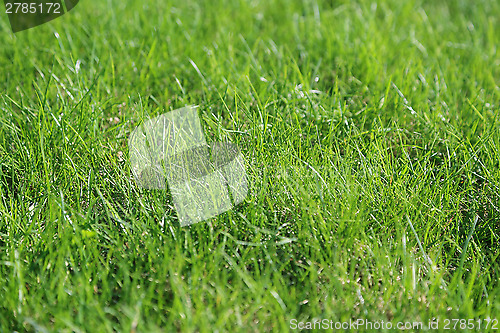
[(371, 136)]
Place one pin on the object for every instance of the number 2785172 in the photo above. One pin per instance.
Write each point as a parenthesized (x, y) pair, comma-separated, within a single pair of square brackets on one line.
[(33, 8)]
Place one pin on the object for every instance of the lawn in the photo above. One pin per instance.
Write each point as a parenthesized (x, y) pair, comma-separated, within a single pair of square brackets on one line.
[(371, 137)]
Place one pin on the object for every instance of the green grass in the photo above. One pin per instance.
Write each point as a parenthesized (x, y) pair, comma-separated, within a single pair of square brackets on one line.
[(372, 141)]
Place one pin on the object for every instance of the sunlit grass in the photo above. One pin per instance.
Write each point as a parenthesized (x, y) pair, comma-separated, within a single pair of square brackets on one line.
[(371, 136)]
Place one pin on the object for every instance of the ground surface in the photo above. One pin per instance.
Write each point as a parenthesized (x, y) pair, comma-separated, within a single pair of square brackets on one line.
[(371, 136)]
